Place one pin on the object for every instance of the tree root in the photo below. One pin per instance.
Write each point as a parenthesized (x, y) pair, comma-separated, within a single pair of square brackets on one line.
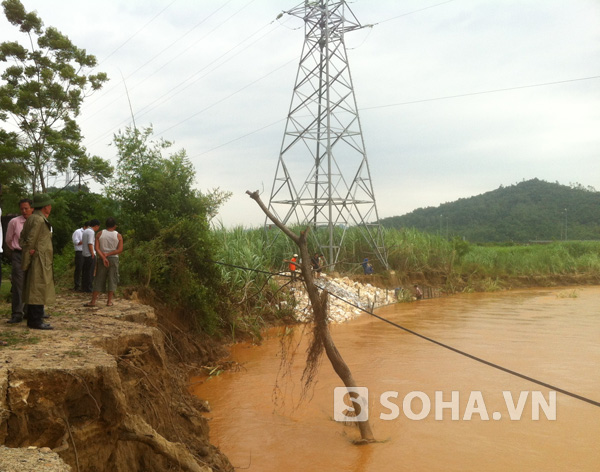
[(136, 429)]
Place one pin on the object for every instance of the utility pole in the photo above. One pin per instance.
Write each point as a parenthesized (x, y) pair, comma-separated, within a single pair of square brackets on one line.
[(323, 178)]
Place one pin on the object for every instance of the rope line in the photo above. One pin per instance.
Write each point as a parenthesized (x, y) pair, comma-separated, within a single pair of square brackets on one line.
[(431, 340)]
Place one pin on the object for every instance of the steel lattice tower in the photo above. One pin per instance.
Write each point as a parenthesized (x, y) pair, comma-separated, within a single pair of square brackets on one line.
[(323, 141)]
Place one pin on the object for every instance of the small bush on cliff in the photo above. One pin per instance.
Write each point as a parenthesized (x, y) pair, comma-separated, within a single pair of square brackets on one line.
[(175, 265)]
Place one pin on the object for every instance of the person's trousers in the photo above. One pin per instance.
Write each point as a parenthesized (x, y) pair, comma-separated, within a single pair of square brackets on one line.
[(78, 270), (87, 276), (35, 313), (17, 277)]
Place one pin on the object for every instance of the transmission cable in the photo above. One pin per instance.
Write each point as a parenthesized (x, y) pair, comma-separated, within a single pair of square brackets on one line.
[(194, 77), (238, 138), (226, 97), (470, 94), (448, 97), (137, 32), (155, 57), (411, 12)]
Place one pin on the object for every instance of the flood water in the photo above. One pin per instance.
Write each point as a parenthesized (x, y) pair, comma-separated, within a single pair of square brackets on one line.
[(547, 334)]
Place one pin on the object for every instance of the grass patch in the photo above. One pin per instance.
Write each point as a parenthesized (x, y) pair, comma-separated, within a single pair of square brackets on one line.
[(5, 295), (74, 353), (18, 338), (59, 314)]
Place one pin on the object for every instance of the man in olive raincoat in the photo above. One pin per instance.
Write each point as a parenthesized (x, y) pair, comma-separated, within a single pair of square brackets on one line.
[(37, 262)]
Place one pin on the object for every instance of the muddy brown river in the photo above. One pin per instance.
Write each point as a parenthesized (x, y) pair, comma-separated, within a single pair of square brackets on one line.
[(552, 335)]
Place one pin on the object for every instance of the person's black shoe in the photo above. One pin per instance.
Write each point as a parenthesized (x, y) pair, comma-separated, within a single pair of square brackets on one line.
[(15, 319), (46, 316), (40, 326)]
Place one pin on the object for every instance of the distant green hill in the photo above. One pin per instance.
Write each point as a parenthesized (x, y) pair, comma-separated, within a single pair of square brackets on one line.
[(529, 210)]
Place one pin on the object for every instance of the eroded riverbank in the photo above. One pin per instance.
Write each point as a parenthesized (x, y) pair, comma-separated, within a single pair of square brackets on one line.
[(101, 391)]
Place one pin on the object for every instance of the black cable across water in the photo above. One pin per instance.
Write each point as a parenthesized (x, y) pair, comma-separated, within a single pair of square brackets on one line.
[(475, 358), (445, 346)]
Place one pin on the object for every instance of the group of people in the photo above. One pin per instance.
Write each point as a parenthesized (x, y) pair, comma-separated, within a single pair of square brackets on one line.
[(97, 259), (29, 239), (316, 262)]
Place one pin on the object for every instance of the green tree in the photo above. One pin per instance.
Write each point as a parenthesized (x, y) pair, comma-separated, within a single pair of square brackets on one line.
[(156, 191), (44, 85), (13, 176)]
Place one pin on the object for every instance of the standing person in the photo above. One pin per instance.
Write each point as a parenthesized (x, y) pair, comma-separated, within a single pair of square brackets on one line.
[(17, 276), (78, 245), (109, 244), (89, 255), (293, 267), (418, 292), (316, 264), (37, 261), (367, 267)]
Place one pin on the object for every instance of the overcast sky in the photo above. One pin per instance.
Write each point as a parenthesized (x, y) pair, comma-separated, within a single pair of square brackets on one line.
[(430, 79)]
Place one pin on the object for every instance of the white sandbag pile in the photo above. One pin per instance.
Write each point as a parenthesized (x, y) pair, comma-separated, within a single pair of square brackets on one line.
[(346, 299)]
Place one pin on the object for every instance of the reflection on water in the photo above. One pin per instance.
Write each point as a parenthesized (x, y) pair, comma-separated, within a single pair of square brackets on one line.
[(540, 333)]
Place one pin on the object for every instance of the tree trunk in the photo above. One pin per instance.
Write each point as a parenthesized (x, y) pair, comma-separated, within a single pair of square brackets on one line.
[(319, 306)]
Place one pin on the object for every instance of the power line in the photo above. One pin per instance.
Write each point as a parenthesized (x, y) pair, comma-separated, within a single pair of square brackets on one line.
[(156, 56), (470, 94), (193, 28), (138, 31), (412, 103), (169, 94), (239, 138), (190, 80), (226, 98), (411, 12), (195, 77)]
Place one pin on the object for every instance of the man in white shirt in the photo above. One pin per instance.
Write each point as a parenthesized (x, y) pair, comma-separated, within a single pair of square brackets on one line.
[(89, 255), (78, 245), (13, 233)]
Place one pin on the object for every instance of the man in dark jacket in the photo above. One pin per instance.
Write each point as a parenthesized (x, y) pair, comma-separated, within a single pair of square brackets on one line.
[(37, 262)]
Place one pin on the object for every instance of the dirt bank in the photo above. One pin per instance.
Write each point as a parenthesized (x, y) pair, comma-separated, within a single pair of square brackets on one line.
[(101, 392)]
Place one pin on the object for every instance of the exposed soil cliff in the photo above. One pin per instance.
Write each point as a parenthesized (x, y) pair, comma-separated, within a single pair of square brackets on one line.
[(101, 392)]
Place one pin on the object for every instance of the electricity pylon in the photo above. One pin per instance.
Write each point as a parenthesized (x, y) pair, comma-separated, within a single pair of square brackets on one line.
[(323, 178)]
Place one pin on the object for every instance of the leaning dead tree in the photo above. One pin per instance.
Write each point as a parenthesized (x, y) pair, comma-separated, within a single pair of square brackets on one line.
[(322, 340)]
